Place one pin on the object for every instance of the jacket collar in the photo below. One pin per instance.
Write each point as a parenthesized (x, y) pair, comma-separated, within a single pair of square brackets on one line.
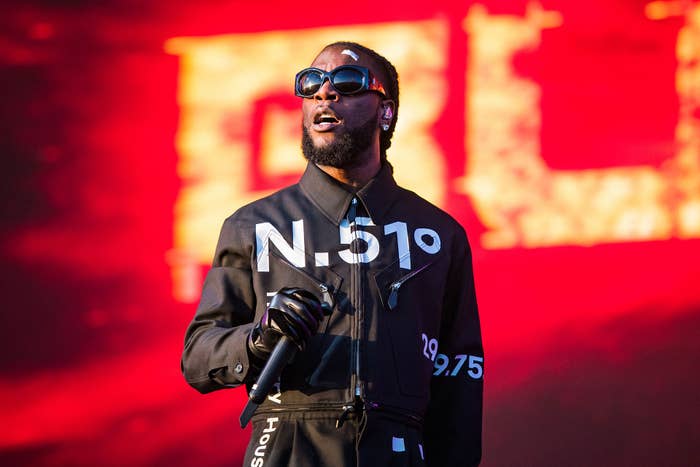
[(333, 197)]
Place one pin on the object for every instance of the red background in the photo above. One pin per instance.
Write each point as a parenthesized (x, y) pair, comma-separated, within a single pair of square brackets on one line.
[(591, 352)]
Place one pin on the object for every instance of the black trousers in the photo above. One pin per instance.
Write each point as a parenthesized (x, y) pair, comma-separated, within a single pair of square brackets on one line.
[(311, 439)]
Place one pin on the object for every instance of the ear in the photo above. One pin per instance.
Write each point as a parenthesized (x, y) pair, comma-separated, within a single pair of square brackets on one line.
[(386, 116)]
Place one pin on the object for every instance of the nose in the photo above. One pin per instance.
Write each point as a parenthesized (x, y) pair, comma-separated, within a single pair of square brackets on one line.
[(326, 92)]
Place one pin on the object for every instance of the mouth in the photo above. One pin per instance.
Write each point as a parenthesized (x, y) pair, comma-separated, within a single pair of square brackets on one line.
[(325, 120)]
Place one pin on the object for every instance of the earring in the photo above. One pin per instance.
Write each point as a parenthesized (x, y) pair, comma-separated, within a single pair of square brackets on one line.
[(385, 127)]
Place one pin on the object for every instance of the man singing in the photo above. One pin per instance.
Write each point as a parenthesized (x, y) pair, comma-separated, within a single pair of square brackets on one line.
[(371, 283)]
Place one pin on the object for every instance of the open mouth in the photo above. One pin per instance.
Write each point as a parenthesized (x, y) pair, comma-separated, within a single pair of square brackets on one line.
[(325, 121)]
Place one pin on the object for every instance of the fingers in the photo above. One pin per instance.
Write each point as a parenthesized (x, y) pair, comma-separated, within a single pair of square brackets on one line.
[(286, 310), (295, 313), (291, 326), (304, 303), (309, 299)]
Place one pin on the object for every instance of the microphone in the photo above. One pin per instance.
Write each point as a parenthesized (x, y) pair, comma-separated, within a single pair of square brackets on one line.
[(280, 356)]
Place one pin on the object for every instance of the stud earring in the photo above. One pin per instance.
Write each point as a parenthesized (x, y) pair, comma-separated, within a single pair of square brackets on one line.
[(385, 127)]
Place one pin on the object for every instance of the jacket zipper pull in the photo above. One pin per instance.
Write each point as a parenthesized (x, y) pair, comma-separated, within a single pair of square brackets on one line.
[(347, 410), (352, 211), (394, 295), (327, 303), (394, 287)]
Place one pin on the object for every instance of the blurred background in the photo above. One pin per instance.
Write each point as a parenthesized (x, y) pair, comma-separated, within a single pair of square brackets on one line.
[(565, 137)]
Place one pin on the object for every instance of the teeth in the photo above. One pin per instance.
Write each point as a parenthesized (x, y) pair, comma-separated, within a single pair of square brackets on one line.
[(326, 118)]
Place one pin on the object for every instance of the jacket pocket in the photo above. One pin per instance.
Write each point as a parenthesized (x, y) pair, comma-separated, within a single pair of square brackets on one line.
[(325, 288), (411, 313)]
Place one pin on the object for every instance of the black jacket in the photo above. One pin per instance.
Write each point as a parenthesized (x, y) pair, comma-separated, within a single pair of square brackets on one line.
[(404, 330)]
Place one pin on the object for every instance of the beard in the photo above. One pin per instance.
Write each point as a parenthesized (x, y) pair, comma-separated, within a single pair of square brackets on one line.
[(344, 152)]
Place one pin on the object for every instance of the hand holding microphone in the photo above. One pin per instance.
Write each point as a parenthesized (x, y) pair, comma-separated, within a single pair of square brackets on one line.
[(290, 320), (293, 313)]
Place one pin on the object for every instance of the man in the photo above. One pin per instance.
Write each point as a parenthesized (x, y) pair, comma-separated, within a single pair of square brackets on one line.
[(391, 373)]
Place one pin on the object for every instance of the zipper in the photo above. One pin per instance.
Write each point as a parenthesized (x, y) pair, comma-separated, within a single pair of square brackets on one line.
[(355, 287), (327, 303), (347, 410), (377, 407), (357, 408), (396, 285), (304, 408), (344, 408)]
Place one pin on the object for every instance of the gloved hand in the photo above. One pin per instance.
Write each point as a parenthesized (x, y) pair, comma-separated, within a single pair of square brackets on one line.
[(293, 312)]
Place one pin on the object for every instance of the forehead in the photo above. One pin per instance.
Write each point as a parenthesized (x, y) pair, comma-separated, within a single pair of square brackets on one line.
[(334, 57)]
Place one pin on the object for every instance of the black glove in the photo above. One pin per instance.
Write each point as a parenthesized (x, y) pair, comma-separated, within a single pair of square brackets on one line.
[(293, 312)]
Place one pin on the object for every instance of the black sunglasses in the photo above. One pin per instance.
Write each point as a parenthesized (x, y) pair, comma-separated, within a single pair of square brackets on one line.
[(346, 80)]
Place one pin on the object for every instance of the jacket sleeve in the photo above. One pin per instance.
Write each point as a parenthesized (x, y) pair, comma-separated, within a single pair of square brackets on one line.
[(215, 355), (452, 432)]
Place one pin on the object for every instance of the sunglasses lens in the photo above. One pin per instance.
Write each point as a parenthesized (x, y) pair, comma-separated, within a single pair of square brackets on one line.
[(309, 83), (344, 79), (348, 80)]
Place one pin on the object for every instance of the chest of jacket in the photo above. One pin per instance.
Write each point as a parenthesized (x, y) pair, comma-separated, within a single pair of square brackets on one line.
[(384, 285)]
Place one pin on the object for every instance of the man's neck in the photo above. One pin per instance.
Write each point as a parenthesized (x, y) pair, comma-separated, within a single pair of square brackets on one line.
[(357, 176)]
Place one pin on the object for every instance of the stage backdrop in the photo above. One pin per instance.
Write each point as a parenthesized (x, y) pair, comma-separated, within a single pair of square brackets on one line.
[(564, 136)]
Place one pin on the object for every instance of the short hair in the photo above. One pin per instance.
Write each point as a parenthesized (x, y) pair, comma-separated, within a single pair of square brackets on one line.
[(391, 87)]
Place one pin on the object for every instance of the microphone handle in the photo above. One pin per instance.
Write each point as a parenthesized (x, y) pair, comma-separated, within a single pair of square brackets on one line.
[(280, 356)]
